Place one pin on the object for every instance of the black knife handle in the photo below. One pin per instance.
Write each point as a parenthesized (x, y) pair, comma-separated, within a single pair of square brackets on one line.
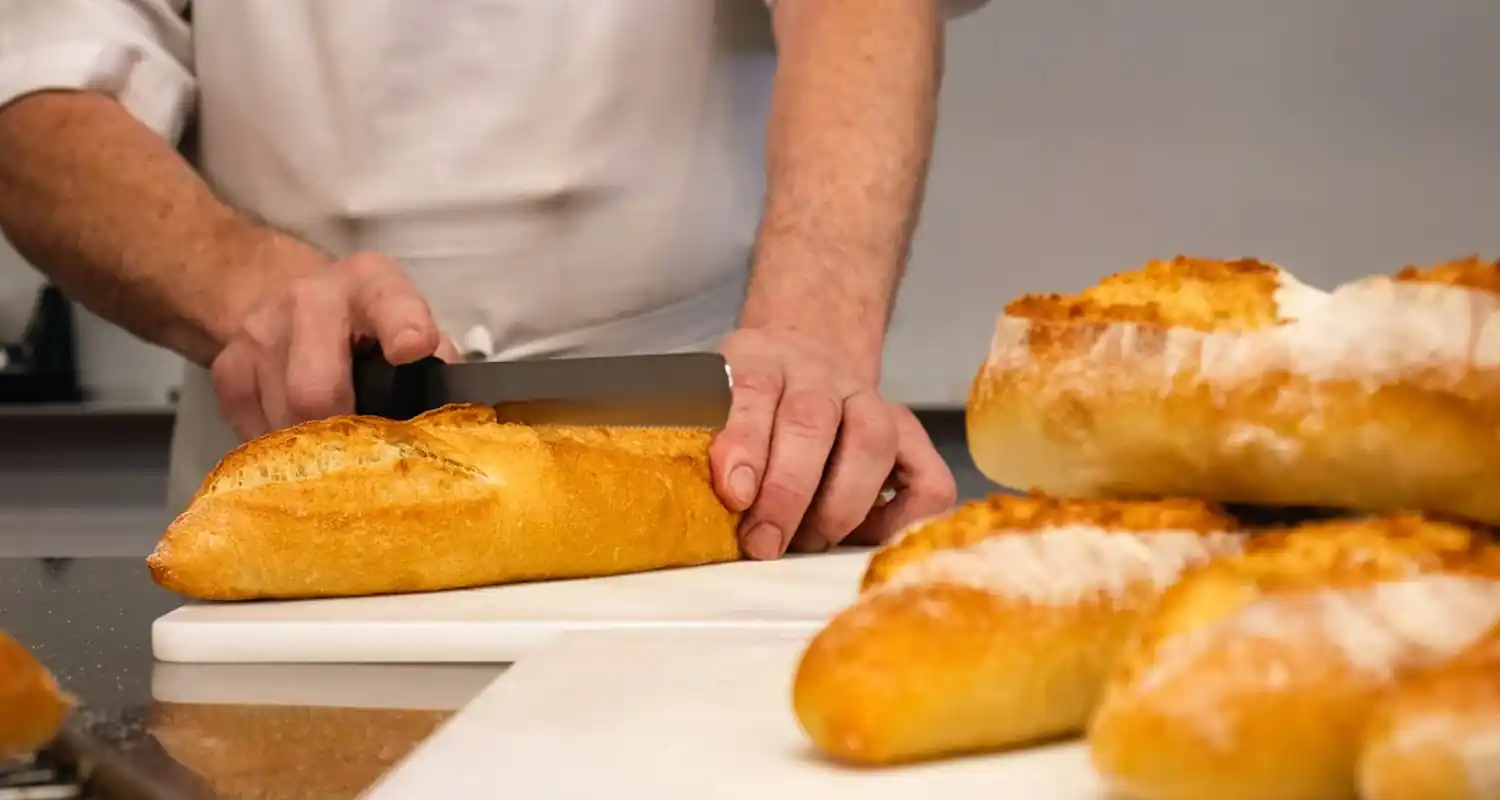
[(394, 392)]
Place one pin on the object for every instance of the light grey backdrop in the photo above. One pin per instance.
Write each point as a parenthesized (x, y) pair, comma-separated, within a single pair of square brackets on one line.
[(1335, 137)]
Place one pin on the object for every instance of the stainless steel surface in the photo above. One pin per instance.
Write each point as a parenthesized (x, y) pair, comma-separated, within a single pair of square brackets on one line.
[(672, 390), (684, 389)]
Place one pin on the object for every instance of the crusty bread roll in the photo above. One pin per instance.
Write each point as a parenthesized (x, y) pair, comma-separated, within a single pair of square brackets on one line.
[(450, 499), (1437, 736), (1232, 381), (1254, 675), (32, 707), (993, 625)]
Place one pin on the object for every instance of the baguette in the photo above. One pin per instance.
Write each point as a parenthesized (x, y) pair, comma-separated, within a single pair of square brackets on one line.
[(451, 499), (1232, 381), (1255, 674), (32, 707), (1437, 737), (993, 625)]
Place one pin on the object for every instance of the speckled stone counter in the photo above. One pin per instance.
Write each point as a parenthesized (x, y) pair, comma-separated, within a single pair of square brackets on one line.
[(282, 731)]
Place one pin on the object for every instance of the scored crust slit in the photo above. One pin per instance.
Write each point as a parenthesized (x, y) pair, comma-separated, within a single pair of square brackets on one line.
[(450, 499), (1437, 736), (1232, 381), (993, 625), (1255, 674)]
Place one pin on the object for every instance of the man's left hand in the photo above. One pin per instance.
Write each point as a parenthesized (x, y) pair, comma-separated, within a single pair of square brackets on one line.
[(810, 446)]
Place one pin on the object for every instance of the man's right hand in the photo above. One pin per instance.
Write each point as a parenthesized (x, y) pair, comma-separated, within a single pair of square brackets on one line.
[(291, 358)]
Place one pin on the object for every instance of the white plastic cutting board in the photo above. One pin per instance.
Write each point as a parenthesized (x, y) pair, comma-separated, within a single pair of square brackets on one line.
[(682, 714), (500, 624)]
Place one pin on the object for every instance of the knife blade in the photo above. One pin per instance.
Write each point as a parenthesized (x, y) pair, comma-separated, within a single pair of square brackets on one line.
[(94, 756), (669, 390)]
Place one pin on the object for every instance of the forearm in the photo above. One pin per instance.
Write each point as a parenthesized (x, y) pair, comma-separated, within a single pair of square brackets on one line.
[(123, 225), (852, 117)]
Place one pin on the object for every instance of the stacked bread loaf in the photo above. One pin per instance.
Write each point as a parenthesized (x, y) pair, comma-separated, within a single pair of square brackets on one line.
[(1200, 655)]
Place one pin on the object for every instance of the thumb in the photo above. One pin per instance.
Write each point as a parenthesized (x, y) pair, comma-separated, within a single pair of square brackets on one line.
[(389, 306)]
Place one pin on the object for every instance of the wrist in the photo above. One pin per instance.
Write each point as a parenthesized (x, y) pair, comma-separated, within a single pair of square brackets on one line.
[(855, 344), (838, 303)]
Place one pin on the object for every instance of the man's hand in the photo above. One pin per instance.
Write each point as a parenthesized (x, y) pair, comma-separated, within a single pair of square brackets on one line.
[(810, 443), (291, 359), (809, 447)]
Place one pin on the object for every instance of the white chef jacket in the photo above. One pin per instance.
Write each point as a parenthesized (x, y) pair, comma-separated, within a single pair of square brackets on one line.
[(558, 177)]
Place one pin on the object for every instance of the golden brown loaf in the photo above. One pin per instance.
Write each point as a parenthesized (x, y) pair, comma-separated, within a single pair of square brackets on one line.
[(1255, 674), (1437, 737), (32, 707), (1232, 381), (451, 499), (993, 625)]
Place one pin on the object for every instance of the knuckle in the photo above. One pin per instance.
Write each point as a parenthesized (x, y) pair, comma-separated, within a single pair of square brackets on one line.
[(380, 293), (230, 375), (835, 521), (259, 332), (945, 494), (937, 492), (729, 441), (757, 381), (313, 399), (389, 303), (809, 412), (365, 263), (869, 433), (786, 495), (309, 293), (430, 338)]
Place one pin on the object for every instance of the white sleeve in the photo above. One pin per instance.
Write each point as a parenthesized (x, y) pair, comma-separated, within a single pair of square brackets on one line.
[(138, 52), (951, 8)]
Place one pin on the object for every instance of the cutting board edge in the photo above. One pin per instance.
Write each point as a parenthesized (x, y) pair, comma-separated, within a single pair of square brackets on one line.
[(465, 642)]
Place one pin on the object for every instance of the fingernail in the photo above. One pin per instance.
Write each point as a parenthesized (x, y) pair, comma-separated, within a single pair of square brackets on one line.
[(810, 543), (763, 542), (407, 339), (742, 485)]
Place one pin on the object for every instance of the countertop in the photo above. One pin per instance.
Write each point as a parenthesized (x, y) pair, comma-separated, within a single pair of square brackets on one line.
[(89, 620)]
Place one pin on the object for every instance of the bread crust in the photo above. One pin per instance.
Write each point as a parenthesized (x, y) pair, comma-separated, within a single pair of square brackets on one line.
[(32, 707), (1239, 384), (451, 499), (1437, 736), (993, 625), (1255, 674)]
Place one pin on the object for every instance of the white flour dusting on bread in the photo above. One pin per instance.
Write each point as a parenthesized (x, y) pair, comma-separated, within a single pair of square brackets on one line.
[(1069, 564)]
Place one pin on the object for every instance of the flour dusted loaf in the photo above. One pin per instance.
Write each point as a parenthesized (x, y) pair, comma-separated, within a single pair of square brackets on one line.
[(1437, 736), (32, 707), (1234, 382), (1254, 675), (993, 625), (451, 499)]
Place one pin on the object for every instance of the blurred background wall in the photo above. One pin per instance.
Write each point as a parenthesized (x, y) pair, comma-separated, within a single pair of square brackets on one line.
[(1077, 138)]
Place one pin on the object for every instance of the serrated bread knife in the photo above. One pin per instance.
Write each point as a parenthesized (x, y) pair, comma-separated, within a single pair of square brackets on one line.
[(673, 390)]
